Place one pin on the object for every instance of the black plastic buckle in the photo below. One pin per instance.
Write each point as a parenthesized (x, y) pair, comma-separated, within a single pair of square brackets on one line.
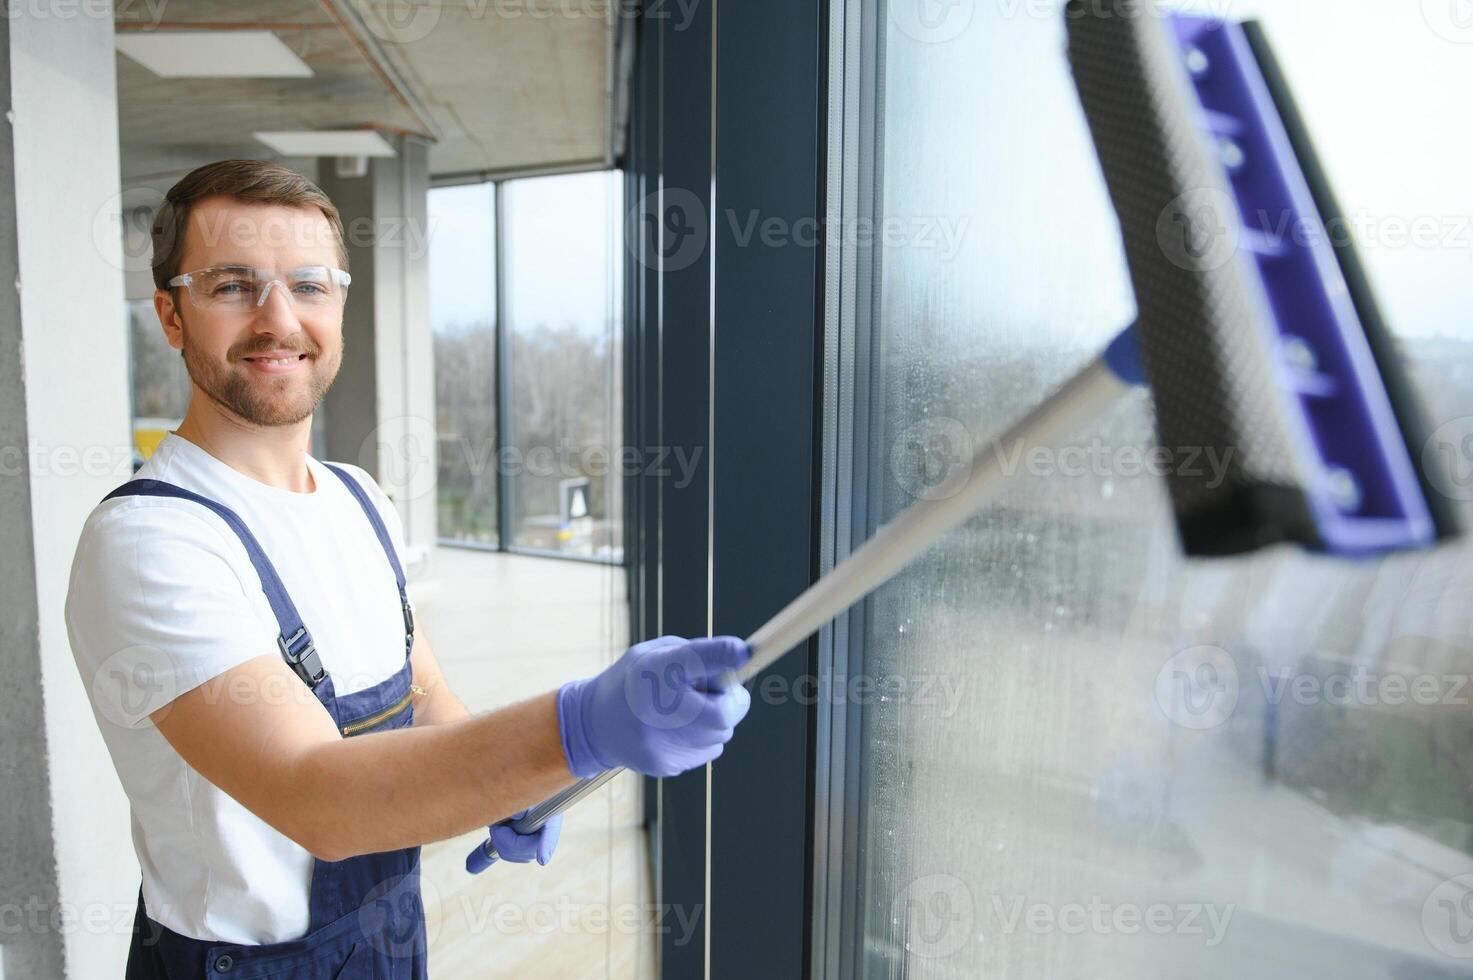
[(408, 616), (304, 662)]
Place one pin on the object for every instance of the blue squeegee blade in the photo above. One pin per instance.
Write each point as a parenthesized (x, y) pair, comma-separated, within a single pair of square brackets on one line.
[(1364, 487)]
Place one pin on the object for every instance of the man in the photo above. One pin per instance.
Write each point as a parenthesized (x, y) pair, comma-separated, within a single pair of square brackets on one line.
[(276, 715)]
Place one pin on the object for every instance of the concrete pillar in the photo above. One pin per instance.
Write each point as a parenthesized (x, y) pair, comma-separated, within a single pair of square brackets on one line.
[(68, 875), (380, 413)]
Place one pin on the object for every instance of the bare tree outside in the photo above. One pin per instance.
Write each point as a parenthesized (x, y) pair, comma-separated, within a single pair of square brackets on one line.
[(560, 465), (465, 400)]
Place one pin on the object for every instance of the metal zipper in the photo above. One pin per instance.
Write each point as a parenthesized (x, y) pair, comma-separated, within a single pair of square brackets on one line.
[(384, 715)]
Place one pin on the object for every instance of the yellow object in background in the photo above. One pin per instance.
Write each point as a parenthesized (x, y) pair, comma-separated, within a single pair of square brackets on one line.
[(148, 433)]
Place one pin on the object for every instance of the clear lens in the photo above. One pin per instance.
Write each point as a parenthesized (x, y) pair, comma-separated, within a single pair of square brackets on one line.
[(315, 287)]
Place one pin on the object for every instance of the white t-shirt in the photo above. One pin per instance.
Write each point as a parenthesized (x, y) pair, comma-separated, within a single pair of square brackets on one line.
[(163, 597)]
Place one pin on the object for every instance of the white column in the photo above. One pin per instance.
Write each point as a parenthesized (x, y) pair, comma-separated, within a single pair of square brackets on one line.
[(65, 853), (380, 412)]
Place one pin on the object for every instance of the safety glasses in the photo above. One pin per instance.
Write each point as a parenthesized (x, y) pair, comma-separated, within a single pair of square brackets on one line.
[(237, 288)]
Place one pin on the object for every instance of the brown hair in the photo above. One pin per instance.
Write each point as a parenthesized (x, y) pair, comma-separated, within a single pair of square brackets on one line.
[(244, 180)]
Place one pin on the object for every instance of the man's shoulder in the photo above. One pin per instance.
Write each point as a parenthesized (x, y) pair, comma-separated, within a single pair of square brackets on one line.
[(132, 522)]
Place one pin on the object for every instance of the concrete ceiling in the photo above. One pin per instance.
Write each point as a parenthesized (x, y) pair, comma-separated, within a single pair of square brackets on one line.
[(497, 85)]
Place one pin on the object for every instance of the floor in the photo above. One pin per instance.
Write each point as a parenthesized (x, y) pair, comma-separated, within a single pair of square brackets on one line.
[(505, 627)]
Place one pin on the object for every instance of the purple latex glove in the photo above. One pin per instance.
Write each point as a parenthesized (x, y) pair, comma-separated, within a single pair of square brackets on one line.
[(521, 848), (659, 709)]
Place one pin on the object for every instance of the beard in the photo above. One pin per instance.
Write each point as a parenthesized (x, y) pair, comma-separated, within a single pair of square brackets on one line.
[(263, 400)]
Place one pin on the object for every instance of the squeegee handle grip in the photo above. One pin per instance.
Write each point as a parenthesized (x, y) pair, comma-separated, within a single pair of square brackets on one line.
[(892, 547), (485, 854), (482, 857)]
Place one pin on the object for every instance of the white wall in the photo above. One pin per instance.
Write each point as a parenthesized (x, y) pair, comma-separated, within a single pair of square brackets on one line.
[(70, 271)]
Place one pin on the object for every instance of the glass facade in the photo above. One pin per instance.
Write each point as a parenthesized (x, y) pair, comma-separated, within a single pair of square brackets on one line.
[(157, 379), (1080, 754), (554, 454), (562, 312), (462, 269)]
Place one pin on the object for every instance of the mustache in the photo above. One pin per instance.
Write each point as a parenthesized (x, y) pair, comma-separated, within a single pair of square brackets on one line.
[(251, 349)]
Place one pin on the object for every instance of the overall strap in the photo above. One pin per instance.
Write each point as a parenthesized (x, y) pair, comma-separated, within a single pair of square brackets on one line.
[(377, 521), (294, 641)]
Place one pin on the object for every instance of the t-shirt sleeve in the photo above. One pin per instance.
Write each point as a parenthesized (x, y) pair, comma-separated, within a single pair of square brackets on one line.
[(156, 607)]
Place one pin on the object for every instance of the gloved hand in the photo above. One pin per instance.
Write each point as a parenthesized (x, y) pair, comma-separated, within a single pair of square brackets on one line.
[(521, 848), (658, 709)]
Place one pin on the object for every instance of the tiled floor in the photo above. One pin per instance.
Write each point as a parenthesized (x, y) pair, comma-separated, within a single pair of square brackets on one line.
[(506, 627)]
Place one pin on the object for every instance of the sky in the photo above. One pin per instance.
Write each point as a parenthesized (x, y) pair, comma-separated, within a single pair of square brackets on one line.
[(559, 244)]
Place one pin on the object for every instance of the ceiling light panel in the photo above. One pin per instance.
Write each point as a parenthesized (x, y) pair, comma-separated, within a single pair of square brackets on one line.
[(212, 54), (327, 143)]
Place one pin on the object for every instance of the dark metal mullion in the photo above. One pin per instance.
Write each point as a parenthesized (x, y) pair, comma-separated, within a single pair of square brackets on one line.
[(868, 503), (503, 374), (771, 57), (835, 494), (683, 307), (855, 135), (630, 407)]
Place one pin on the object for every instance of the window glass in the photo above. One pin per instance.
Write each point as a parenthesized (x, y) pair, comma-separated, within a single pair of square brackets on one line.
[(562, 314), (157, 377), (462, 272), (1086, 756)]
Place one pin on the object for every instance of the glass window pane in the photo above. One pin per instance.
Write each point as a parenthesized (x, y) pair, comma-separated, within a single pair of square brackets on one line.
[(159, 381), (1089, 757), (462, 271), (562, 309)]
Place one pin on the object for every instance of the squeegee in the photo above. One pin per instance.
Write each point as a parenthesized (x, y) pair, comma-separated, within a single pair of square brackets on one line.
[(1261, 345)]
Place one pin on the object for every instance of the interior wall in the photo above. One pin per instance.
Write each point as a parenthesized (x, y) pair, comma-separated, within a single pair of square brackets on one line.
[(76, 892)]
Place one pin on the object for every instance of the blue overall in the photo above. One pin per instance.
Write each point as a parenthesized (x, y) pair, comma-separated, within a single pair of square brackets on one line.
[(366, 919)]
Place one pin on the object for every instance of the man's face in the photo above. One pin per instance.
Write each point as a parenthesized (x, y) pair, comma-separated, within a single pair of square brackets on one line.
[(270, 365)]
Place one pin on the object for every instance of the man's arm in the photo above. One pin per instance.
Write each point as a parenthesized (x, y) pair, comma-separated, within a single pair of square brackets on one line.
[(260, 735), (438, 704)]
